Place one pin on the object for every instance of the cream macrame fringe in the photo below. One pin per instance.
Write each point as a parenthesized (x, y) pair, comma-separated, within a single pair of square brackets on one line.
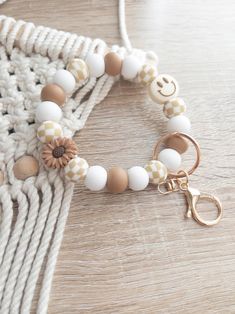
[(32, 230)]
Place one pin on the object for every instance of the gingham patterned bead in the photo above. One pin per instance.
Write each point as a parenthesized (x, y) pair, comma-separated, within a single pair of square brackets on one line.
[(76, 169), (79, 69), (174, 107), (147, 74), (157, 171), (48, 131)]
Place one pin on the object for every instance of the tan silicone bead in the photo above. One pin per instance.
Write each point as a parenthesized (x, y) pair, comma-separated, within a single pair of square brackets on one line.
[(1, 178), (25, 167), (177, 143), (53, 92), (113, 64), (117, 181)]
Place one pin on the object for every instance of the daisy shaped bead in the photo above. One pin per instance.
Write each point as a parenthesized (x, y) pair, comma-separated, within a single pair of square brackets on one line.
[(157, 171), (59, 152), (174, 107), (48, 131), (76, 169)]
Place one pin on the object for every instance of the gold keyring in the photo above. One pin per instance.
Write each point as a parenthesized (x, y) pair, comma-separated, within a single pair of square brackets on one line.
[(180, 174)]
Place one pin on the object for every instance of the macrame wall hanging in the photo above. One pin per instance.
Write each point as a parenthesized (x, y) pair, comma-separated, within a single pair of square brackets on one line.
[(29, 57), (39, 160)]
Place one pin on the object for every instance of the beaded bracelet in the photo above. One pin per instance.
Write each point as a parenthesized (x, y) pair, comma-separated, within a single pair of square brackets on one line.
[(165, 167)]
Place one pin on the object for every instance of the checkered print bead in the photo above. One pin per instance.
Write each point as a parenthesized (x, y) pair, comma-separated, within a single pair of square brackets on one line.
[(79, 69), (174, 107), (157, 171), (48, 131), (76, 169), (147, 74)]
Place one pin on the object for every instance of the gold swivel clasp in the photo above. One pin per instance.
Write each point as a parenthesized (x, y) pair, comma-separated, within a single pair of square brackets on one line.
[(193, 196)]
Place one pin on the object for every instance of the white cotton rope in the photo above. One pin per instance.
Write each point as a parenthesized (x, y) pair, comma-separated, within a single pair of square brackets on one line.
[(33, 212)]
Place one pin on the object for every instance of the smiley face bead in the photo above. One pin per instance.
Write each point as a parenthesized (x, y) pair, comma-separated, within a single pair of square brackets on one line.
[(163, 88)]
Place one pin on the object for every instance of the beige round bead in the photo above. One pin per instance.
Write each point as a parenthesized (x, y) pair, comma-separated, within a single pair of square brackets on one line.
[(48, 131), (147, 74), (113, 64), (79, 69), (117, 181), (25, 167), (174, 107), (163, 88), (53, 92), (157, 171), (178, 143), (1, 178)]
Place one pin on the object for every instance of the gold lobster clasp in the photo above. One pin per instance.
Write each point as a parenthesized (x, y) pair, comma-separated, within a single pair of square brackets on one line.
[(192, 197)]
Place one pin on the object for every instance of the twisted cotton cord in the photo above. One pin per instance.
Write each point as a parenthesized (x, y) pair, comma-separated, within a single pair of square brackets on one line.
[(15, 236), (46, 190), (58, 194), (33, 196), (7, 214), (46, 41), (54, 250), (99, 92)]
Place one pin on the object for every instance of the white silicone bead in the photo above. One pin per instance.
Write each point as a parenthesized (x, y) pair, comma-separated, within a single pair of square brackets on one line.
[(48, 110), (130, 67), (179, 123), (95, 63), (170, 158), (138, 178), (96, 178), (65, 80)]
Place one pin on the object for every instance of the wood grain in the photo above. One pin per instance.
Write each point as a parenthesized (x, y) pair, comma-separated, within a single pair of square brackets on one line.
[(135, 253)]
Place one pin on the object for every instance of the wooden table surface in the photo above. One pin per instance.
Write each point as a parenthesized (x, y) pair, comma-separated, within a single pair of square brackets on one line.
[(135, 252)]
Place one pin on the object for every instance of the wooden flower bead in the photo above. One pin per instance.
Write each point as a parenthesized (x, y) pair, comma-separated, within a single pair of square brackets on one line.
[(174, 107), (147, 74), (53, 92), (59, 152), (76, 169), (157, 171), (48, 131), (117, 181), (113, 64), (79, 69), (163, 88), (25, 167)]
